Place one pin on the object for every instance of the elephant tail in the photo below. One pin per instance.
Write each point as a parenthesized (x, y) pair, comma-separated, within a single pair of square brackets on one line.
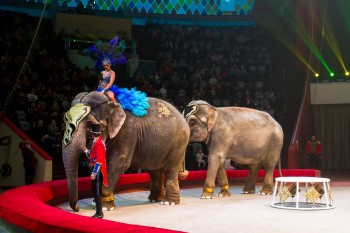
[(183, 172), (279, 167)]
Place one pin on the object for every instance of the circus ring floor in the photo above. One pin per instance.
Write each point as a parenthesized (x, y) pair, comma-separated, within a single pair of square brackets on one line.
[(42, 208)]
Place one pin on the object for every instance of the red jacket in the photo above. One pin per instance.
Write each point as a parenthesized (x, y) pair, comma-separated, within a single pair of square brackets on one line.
[(318, 148), (98, 158)]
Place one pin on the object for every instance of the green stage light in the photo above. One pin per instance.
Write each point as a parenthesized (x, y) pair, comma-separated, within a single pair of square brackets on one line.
[(331, 74)]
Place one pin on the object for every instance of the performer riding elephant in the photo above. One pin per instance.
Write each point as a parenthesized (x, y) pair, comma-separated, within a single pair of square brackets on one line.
[(155, 141), (246, 136)]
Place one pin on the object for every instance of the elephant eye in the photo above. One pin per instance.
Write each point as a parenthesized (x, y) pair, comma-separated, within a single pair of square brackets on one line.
[(192, 123)]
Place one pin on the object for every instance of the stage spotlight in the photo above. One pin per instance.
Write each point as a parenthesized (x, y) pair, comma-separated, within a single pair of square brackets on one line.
[(92, 2), (317, 75), (331, 74), (347, 73)]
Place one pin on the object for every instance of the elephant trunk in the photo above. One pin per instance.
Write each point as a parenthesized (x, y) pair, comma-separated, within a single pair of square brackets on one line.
[(70, 161), (70, 156)]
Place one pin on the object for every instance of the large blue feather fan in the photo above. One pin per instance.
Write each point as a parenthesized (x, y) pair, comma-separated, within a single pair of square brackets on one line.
[(112, 50)]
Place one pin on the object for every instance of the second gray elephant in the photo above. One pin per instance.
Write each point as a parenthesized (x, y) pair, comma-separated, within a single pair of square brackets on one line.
[(155, 142), (246, 136)]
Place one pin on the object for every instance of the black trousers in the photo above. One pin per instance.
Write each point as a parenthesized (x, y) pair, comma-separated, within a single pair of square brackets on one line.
[(96, 189), (29, 173), (314, 161)]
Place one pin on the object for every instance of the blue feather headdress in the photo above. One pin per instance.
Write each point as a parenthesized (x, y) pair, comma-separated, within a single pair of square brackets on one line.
[(111, 51)]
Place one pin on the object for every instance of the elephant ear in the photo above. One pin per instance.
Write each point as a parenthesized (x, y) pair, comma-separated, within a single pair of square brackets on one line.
[(116, 119), (212, 117)]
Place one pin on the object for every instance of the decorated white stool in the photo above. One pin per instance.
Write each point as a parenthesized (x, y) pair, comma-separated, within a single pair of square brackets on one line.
[(302, 193)]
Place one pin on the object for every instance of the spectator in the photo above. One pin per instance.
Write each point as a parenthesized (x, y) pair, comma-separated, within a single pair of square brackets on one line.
[(200, 159), (313, 152), (41, 135), (53, 133), (228, 165), (270, 110), (163, 92), (29, 162)]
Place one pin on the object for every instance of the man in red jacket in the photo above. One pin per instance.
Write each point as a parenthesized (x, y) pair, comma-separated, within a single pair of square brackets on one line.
[(98, 175), (313, 151)]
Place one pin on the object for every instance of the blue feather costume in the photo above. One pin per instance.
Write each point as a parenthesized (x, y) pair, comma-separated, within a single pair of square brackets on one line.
[(131, 99)]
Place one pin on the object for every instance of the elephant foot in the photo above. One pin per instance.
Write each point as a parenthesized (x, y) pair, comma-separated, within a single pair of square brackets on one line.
[(156, 198), (172, 200), (246, 190), (168, 203), (266, 190), (249, 188), (172, 192), (263, 193), (108, 206), (225, 193), (108, 203), (208, 193)]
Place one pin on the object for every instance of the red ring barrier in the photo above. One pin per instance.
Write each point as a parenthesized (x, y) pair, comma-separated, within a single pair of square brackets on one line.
[(29, 207)]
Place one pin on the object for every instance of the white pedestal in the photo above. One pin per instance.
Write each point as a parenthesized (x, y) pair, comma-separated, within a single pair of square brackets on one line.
[(302, 193)]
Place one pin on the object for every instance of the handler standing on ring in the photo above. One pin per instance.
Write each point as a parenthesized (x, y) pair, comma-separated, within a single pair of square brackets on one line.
[(97, 156)]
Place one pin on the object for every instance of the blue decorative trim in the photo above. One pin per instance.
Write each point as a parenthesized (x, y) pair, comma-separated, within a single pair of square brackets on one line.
[(96, 168)]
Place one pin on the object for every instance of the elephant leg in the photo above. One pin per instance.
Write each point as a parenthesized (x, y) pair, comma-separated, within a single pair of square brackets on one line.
[(108, 192), (117, 165), (223, 182), (172, 189), (157, 185), (108, 199), (249, 187), (267, 188), (209, 184)]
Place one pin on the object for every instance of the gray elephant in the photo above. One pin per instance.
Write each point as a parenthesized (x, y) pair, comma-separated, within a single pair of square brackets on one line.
[(155, 142), (244, 135)]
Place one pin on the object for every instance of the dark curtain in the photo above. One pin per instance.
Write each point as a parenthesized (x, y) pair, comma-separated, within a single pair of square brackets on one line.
[(331, 125)]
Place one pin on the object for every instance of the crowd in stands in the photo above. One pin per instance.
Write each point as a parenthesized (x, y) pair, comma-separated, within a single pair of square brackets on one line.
[(226, 66), (38, 86)]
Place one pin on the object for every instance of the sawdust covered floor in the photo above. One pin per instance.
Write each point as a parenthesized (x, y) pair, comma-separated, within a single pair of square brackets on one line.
[(238, 213)]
